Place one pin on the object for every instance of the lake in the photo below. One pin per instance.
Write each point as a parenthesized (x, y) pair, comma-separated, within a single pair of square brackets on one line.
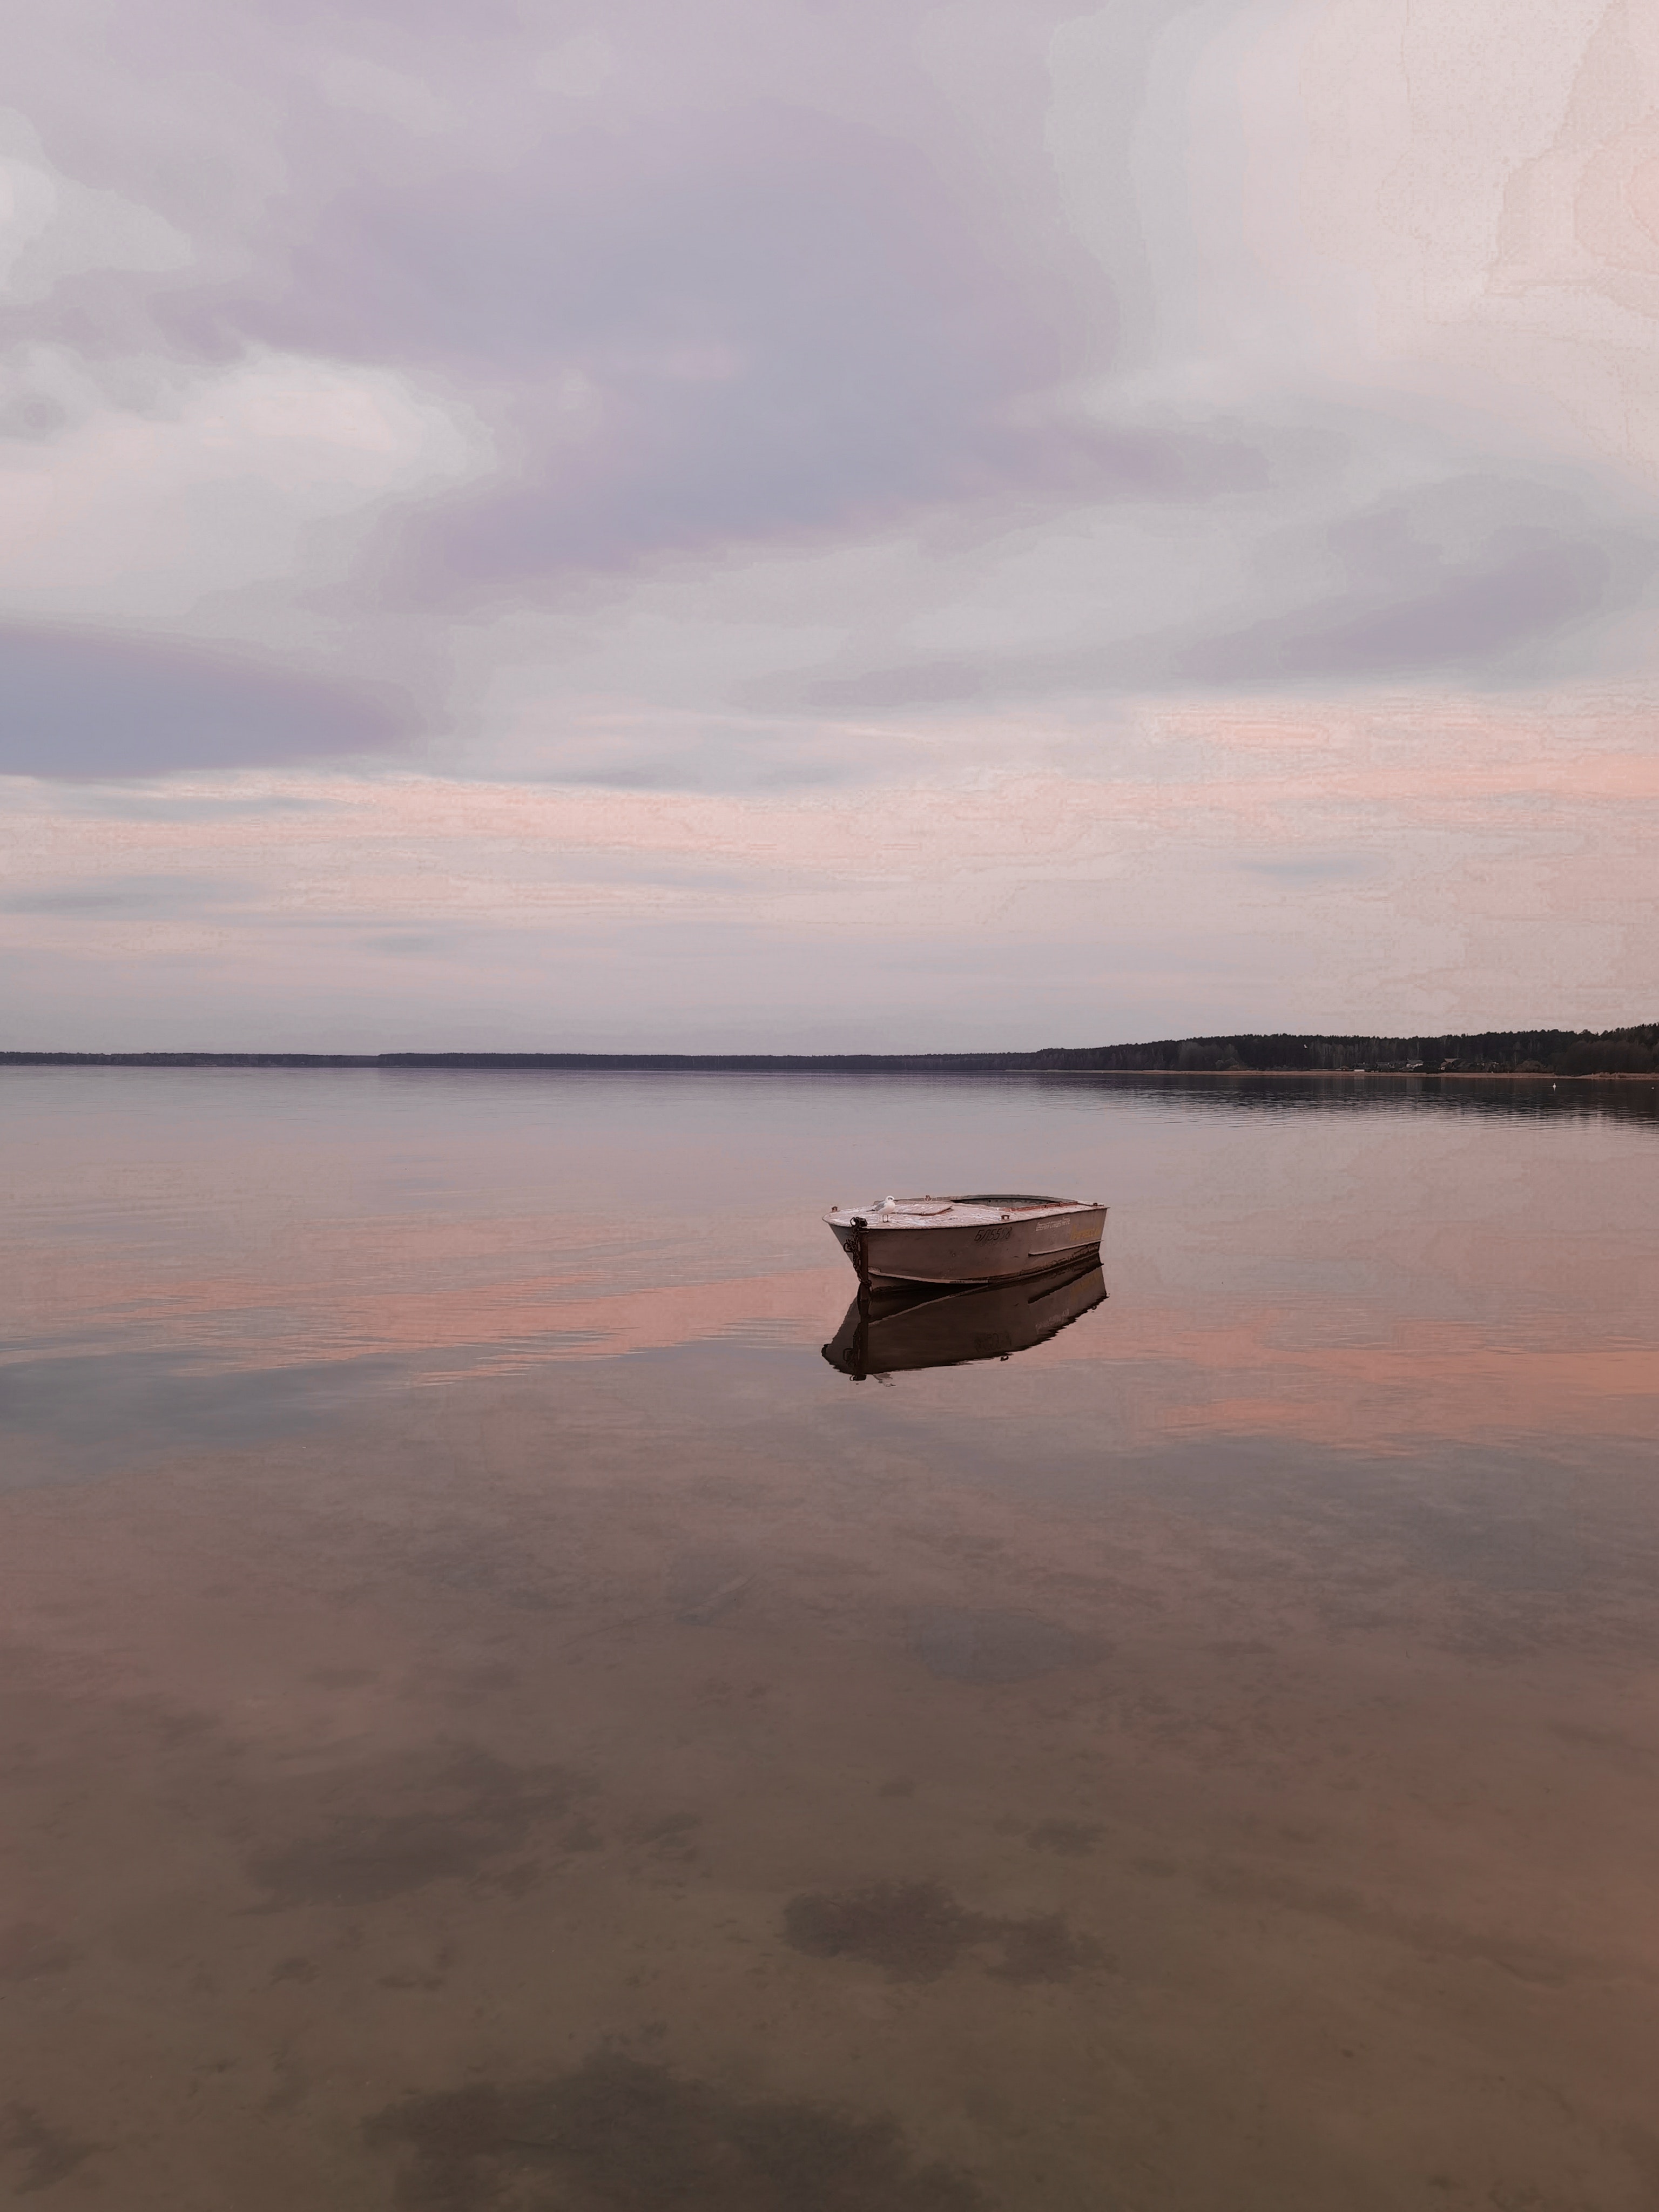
[(496, 1718)]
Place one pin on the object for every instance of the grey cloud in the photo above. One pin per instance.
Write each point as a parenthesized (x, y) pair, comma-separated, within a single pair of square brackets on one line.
[(715, 753), (1496, 577), (163, 803), (771, 288), (713, 769), (1471, 574), (770, 458), (413, 944), (773, 323), (1314, 867), (648, 869), (85, 704), (931, 680), (776, 317), (128, 895)]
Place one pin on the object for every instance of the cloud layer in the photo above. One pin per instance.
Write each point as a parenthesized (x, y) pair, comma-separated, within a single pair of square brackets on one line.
[(768, 400), (101, 706)]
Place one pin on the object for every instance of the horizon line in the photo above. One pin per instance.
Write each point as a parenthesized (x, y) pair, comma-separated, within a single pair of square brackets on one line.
[(1103, 1059)]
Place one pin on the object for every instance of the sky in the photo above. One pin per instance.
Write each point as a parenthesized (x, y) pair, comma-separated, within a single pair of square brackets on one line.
[(796, 527)]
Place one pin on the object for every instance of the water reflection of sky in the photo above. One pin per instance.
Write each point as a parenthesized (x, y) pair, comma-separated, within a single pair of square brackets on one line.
[(482, 1683), (1368, 1271)]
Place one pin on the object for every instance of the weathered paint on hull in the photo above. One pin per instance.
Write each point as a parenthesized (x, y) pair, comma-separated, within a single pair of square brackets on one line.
[(995, 1251)]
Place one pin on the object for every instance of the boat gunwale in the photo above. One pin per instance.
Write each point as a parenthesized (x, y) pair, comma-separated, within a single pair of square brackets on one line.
[(973, 1212)]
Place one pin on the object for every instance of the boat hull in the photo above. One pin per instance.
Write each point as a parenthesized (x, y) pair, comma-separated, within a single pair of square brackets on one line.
[(987, 1252)]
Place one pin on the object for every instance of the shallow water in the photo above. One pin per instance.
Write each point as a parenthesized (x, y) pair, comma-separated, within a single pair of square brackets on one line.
[(496, 1718)]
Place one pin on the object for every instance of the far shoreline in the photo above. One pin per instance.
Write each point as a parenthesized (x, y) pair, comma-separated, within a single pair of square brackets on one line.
[(934, 1065)]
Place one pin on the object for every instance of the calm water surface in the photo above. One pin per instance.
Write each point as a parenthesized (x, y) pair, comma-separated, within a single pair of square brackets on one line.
[(495, 1719)]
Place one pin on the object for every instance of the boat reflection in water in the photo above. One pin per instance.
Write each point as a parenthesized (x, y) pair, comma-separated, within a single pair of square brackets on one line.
[(892, 1327)]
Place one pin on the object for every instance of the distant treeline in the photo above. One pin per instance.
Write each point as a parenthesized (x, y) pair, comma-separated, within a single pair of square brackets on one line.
[(1489, 1052), (1492, 1052)]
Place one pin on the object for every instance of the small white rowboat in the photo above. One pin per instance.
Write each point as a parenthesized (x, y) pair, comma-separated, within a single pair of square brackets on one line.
[(994, 1236)]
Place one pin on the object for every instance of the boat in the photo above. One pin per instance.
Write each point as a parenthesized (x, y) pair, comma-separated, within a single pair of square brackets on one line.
[(900, 1326), (989, 1236)]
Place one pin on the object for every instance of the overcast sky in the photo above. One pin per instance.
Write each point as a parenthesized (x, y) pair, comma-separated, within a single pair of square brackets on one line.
[(774, 524)]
